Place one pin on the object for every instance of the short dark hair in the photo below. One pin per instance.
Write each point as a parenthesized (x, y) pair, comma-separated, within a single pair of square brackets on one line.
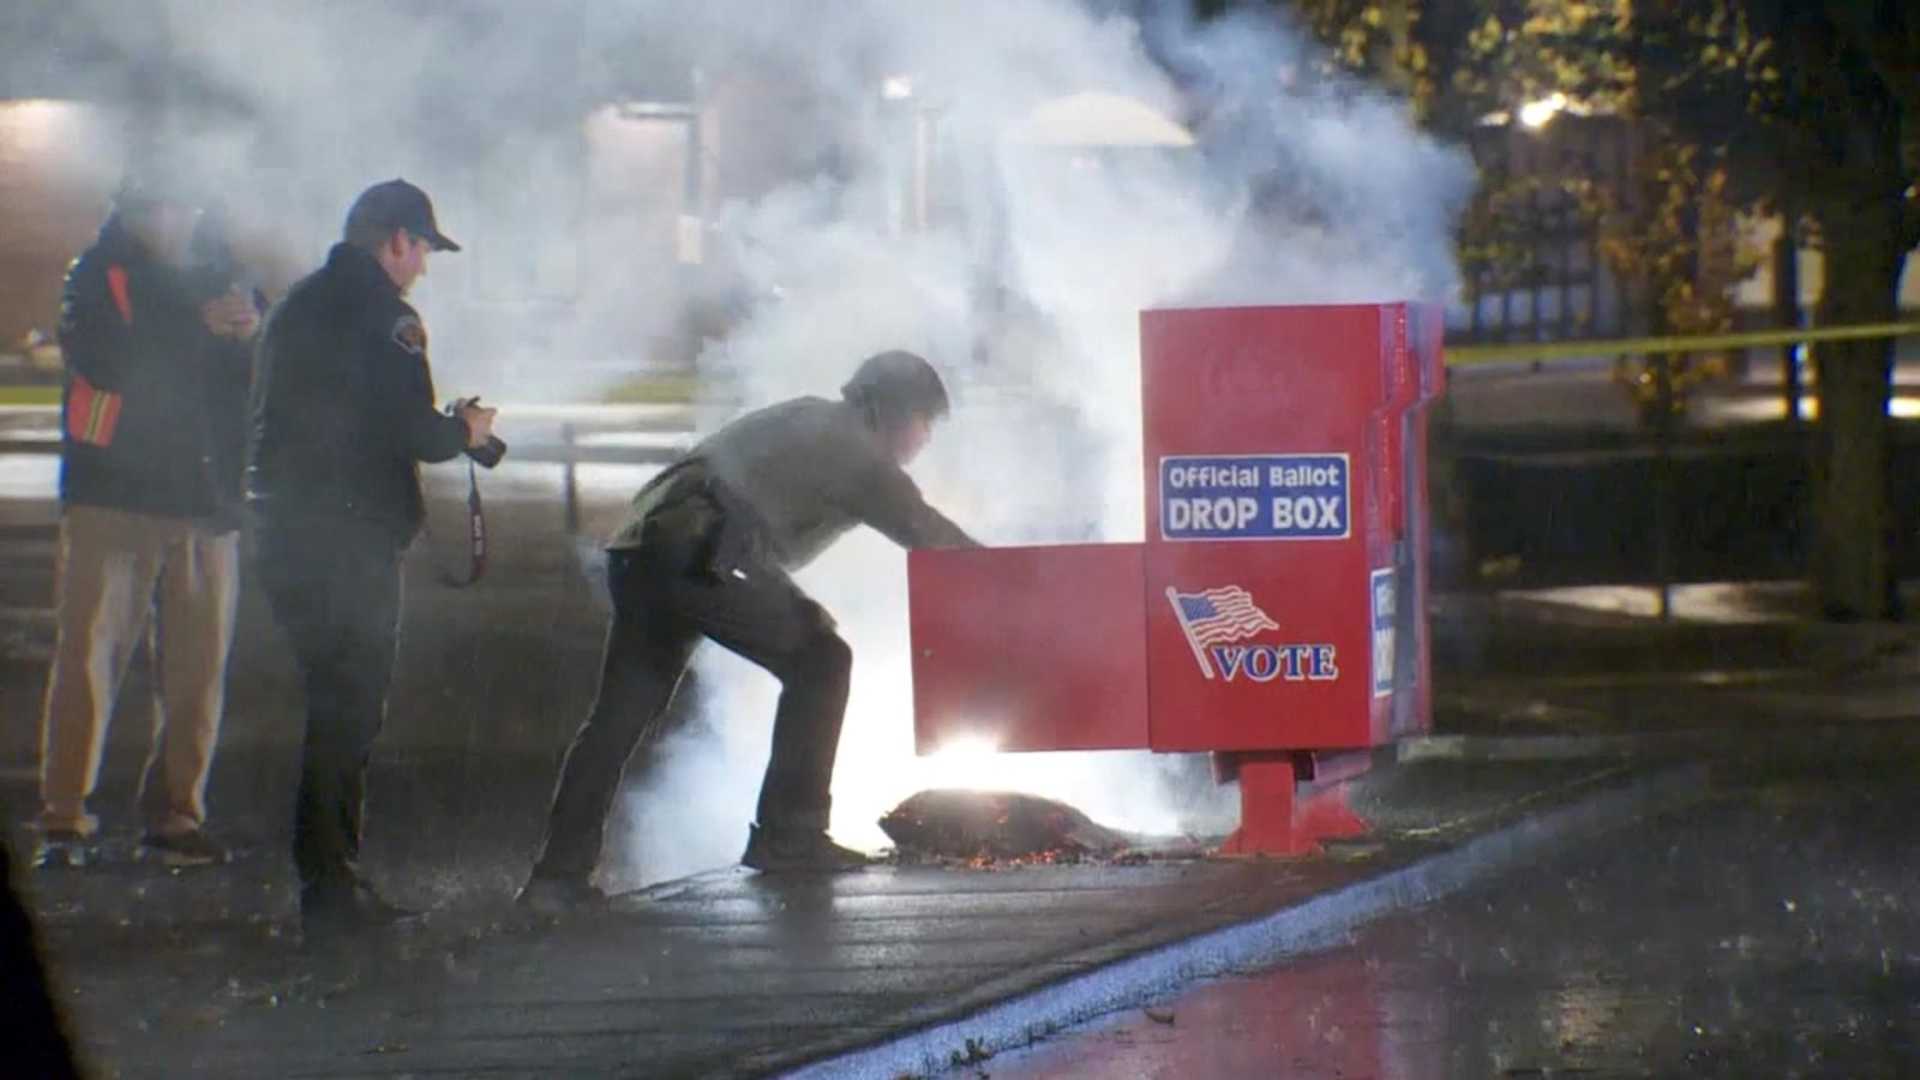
[(368, 236), (895, 385)]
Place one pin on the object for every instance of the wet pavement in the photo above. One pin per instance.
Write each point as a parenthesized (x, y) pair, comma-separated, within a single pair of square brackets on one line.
[(1774, 931), (731, 974), (196, 973)]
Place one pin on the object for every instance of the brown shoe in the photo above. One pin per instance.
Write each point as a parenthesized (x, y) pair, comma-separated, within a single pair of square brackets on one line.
[(798, 851), (193, 848)]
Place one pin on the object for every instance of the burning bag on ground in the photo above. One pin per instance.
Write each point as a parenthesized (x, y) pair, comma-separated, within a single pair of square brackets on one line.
[(995, 825)]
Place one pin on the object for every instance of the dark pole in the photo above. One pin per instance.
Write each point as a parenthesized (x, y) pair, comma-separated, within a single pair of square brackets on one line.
[(1663, 481), (1786, 301), (569, 479)]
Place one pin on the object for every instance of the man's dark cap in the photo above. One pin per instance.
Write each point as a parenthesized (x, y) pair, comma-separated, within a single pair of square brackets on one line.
[(396, 204)]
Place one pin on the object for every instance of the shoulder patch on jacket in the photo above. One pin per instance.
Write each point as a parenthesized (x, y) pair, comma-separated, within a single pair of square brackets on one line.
[(409, 334)]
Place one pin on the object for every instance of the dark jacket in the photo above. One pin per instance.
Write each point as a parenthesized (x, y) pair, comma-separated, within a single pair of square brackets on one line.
[(154, 405), (215, 272), (795, 476), (343, 406)]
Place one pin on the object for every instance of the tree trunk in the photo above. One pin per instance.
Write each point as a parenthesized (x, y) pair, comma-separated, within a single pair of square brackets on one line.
[(1852, 558)]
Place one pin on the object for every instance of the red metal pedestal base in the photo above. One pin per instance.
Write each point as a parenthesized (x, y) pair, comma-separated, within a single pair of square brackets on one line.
[(1290, 802)]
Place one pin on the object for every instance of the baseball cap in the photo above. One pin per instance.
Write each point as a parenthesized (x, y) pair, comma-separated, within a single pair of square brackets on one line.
[(396, 204)]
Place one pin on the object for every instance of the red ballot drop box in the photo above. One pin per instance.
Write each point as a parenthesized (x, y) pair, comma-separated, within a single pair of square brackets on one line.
[(1274, 614)]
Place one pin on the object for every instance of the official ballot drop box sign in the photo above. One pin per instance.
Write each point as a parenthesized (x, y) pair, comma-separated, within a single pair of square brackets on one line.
[(1277, 601)]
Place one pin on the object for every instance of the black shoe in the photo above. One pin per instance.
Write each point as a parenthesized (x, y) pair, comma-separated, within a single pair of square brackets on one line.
[(62, 849), (554, 898), (798, 851), (194, 848), (334, 911)]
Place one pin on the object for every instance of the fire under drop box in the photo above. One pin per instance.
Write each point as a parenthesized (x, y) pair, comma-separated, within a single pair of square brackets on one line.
[(1274, 615)]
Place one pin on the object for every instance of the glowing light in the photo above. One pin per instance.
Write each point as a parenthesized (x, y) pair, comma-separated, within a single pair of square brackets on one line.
[(1706, 602), (971, 762), (42, 125), (967, 747), (1536, 114), (896, 88), (1901, 407)]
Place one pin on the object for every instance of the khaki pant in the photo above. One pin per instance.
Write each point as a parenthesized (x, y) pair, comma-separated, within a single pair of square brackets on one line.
[(115, 568)]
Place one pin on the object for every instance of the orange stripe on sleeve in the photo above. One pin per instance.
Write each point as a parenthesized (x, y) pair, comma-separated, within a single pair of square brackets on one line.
[(117, 285), (92, 415), (79, 408), (106, 416)]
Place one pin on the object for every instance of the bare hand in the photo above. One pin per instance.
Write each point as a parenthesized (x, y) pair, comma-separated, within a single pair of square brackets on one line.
[(479, 424), (231, 315)]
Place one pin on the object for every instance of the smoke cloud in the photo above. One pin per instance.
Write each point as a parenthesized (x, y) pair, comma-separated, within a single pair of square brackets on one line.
[(1025, 286), (867, 175)]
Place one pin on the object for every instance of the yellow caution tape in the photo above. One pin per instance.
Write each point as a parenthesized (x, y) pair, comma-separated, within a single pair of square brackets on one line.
[(1522, 352)]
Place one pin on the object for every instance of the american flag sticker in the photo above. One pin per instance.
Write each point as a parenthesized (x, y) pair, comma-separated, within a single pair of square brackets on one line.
[(1217, 617)]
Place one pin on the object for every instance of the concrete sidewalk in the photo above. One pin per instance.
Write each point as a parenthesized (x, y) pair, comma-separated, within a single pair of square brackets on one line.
[(893, 971), (899, 970)]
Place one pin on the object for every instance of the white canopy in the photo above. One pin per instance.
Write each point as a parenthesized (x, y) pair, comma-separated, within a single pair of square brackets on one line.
[(1094, 119)]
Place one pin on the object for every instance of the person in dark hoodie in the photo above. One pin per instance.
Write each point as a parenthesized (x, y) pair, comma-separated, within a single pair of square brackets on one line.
[(705, 552), (216, 274), (156, 372), (343, 414)]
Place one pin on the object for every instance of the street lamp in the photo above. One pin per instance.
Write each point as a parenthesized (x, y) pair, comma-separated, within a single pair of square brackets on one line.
[(1536, 114)]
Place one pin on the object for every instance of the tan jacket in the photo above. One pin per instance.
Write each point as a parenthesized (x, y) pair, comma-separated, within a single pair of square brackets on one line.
[(790, 479)]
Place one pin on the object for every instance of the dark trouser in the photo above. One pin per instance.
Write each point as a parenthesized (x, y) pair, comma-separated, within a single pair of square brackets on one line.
[(661, 609), (335, 589)]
